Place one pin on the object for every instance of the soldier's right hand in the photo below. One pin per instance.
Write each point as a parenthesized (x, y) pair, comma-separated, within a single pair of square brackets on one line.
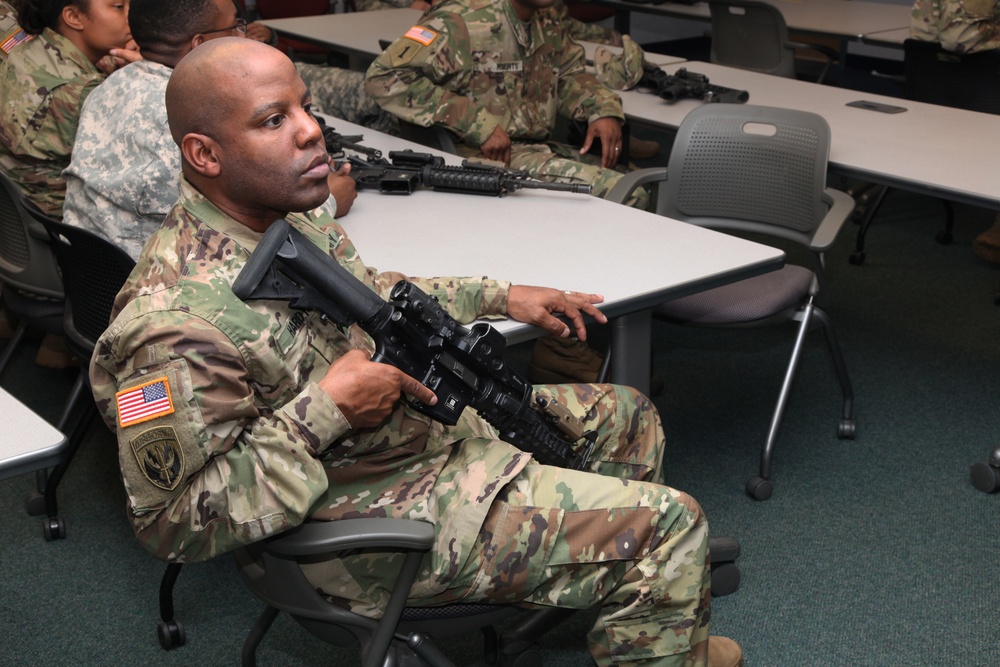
[(497, 146), (367, 391)]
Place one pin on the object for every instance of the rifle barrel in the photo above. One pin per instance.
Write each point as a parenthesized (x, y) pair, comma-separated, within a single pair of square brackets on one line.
[(577, 188)]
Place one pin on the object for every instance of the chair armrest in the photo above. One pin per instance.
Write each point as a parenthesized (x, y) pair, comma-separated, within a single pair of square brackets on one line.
[(318, 537), (841, 207), (634, 179)]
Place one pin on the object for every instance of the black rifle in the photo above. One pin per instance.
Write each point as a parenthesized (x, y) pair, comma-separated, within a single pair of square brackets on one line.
[(683, 83), (407, 170), (336, 142), (462, 366)]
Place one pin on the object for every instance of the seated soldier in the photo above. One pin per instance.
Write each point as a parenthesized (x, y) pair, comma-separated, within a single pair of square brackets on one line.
[(265, 417)]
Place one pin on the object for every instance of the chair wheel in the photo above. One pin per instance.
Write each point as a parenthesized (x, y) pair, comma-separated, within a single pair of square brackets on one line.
[(170, 634), (846, 429), (34, 503), (985, 477), (54, 528), (725, 579), (944, 238), (759, 488), (856, 258)]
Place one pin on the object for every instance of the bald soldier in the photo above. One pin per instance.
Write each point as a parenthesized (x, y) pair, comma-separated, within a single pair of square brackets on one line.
[(262, 417)]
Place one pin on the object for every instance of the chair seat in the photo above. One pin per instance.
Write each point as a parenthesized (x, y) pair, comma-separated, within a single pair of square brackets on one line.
[(748, 300), (43, 314)]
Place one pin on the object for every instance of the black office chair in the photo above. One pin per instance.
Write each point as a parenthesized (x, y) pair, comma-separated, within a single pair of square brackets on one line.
[(935, 76), (753, 35), (93, 270), (760, 170)]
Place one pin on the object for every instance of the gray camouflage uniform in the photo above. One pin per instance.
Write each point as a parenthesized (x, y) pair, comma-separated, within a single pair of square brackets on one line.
[(472, 65), (10, 32), (43, 84), (248, 445), (963, 26)]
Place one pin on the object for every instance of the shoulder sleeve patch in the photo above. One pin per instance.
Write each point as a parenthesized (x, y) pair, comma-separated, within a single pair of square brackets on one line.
[(159, 456), (420, 34), (144, 402)]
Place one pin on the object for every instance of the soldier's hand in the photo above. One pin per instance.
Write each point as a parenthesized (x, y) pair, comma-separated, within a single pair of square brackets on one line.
[(343, 188), (259, 32), (536, 305), (118, 58), (366, 391), (497, 146), (422, 5), (609, 130)]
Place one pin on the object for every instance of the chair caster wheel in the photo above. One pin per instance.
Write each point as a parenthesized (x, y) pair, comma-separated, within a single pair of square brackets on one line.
[(846, 429), (34, 503), (170, 634), (725, 579), (944, 238), (985, 477), (856, 258), (759, 488), (54, 528)]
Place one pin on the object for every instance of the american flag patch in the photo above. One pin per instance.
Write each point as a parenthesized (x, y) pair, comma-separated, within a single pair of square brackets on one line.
[(12, 40), (144, 402), (422, 35)]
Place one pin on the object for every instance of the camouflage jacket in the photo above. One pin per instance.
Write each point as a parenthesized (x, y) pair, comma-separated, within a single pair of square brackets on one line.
[(370, 5), (471, 65), (584, 32), (43, 84), (221, 423), (11, 33), (963, 26)]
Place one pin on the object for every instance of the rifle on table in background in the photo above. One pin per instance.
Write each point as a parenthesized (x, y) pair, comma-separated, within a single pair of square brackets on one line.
[(462, 366), (683, 83), (336, 142)]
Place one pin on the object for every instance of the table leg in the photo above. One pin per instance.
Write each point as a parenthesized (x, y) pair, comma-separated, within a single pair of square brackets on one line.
[(631, 349)]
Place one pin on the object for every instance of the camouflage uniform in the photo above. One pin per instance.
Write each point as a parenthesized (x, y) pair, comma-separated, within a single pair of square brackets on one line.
[(10, 32), (963, 26), (43, 84), (584, 32), (341, 93), (472, 65), (248, 445), (123, 176), (370, 5)]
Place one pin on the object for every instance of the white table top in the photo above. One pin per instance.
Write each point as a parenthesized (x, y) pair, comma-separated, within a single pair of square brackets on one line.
[(894, 38), (28, 442), (536, 237), (934, 149)]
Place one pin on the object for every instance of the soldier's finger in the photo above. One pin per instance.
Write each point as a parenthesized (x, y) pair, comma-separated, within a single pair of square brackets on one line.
[(412, 387)]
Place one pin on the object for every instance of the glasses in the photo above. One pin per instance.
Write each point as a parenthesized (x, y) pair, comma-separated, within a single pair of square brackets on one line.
[(241, 26)]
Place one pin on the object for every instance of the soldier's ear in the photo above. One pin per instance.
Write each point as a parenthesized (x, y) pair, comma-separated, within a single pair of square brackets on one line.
[(72, 16), (201, 152)]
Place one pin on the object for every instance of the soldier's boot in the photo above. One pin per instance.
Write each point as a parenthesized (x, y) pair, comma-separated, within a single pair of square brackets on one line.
[(640, 149), (724, 652), (556, 360), (53, 353), (987, 245)]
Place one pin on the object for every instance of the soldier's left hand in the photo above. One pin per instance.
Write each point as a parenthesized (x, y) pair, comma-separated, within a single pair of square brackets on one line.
[(609, 130), (536, 305), (118, 58)]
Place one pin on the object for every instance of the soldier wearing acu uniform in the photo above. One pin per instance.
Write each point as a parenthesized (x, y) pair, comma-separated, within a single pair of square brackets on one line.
[(253, 418), (496, 73)]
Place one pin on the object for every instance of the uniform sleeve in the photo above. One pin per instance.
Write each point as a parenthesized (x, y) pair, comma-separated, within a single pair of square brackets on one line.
[(415, 77), (581, 95), (370, 5), (205, 469), (465, 299), (963, 26)]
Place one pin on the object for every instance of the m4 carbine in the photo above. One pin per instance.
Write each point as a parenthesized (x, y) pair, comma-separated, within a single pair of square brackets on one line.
[(683, 83), (462, 366)]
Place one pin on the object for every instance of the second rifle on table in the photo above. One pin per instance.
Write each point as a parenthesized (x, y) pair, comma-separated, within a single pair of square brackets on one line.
[(683, 83)]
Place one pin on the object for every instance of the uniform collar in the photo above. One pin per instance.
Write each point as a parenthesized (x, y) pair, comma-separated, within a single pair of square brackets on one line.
[(69, 51)]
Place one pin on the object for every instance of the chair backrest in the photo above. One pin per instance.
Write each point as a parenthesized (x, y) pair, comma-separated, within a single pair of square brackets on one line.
[(94, 270), (26, 260), (751, 35), (279, 9), (966, 81), (748, 163)]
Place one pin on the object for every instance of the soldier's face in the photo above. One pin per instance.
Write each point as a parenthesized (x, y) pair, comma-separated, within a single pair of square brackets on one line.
[(223, 23), (104, 26), (272, 155)]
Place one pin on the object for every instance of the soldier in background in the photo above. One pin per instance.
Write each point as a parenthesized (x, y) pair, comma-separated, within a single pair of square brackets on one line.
[(261, 424), (124, 175)]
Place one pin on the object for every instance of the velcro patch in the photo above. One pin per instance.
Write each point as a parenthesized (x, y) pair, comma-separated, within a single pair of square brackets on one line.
[(159, 456), (420, 34), (8, 42), (144, 402)]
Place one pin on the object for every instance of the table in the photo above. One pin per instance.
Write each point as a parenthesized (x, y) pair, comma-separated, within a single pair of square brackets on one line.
[(28, 442), (535, 237), (903, 150), (892, 38)]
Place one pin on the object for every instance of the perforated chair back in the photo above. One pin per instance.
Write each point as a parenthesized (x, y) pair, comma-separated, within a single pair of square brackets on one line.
[(965, 81), (750, 163), (26, 260), (751, 35)]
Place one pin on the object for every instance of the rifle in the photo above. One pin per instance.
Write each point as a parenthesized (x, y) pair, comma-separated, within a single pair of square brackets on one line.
[(687, 84), (463, 366), (337, 142), (406, 171)]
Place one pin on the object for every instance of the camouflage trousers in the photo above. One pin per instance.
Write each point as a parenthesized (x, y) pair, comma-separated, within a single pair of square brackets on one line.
[(564, 538), (341, 93), (555, 162)]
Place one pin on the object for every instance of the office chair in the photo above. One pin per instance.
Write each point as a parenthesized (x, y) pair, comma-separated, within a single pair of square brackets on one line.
[(760, 170), (753, 35), (935, 76), (93, 270)]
